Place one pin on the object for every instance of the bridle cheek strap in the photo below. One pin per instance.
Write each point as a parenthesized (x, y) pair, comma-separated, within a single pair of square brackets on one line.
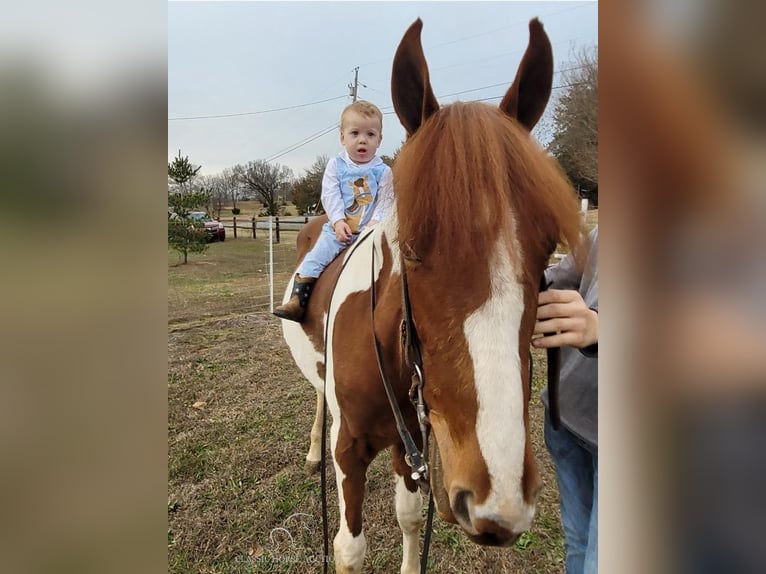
[(414, 458)]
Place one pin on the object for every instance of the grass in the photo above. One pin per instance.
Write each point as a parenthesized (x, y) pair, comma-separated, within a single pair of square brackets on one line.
[(238, 498)]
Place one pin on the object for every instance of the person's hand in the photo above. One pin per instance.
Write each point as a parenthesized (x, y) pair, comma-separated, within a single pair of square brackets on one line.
[(564, 314), (342, 231)]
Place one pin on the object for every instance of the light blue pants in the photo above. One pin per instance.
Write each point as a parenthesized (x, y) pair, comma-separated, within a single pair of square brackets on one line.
[(324, 251), (577, 476)]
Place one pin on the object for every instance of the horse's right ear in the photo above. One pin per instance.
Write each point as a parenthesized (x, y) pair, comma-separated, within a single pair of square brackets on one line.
[(411, 92)]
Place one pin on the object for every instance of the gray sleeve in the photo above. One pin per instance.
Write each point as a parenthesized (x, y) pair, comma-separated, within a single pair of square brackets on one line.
[(564, 274)]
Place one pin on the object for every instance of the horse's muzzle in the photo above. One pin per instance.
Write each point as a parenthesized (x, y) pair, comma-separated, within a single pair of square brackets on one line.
[(485, 530)]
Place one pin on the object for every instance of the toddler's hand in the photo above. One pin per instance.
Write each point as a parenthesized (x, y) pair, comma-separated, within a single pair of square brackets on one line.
[(342, 231)]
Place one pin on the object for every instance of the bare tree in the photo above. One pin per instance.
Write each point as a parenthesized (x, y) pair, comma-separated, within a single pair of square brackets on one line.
[(267, 182), (575, 133), (233, 186), (390, 160), (216, 188)]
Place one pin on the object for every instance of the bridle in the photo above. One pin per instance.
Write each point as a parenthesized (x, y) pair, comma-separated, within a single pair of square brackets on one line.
[(414, 458)]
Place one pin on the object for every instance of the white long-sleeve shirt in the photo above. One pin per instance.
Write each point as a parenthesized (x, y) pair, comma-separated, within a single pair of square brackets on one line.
[(336, 198)]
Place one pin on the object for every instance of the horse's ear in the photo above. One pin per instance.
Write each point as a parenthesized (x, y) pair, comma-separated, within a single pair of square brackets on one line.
[(411, 92), (527, 97)]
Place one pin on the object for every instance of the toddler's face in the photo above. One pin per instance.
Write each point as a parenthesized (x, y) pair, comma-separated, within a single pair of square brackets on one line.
[(361, 136)]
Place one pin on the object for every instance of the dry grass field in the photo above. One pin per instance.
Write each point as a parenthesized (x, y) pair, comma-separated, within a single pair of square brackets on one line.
[(239, 415)]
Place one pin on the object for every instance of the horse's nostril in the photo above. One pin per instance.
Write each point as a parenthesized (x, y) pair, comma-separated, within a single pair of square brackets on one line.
[(460, 506)]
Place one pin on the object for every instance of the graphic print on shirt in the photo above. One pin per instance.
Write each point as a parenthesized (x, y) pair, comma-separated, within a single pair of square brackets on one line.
[(362, 198)]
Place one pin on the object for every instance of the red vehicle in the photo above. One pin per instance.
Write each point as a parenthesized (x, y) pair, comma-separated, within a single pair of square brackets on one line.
[(215, 229)]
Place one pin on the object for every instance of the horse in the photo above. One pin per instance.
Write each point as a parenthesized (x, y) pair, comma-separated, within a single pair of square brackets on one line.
[(455, 271)]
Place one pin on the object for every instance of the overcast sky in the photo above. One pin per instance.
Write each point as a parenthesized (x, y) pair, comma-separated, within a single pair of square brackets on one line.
[(242, 59)]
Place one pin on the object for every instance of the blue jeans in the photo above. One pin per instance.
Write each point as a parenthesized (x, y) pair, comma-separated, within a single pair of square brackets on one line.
[(577, 476), (324, 251)]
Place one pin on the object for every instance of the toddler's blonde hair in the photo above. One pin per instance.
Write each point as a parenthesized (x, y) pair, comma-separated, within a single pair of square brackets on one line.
[(364, 108)]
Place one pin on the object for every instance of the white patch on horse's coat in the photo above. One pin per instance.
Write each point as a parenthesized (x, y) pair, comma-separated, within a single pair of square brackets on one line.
[(349, 550), (306, 358), (492, 333), (303, 351), (410, 519)]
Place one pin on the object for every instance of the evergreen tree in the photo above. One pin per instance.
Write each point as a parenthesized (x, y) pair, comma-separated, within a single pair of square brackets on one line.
[(182, 172), (185, 235)]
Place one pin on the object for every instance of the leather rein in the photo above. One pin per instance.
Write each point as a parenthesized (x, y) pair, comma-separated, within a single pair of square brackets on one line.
[(415, 459)]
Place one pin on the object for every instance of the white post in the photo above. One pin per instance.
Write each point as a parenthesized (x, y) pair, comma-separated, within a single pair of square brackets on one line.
[(584, 205), (271, 268)]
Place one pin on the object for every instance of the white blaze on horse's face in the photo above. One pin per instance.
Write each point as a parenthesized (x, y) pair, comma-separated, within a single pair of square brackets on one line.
[(478, 409), (492, 333)]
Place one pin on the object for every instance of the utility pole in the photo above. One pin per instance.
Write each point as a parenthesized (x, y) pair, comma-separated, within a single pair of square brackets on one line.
[(355, 87)]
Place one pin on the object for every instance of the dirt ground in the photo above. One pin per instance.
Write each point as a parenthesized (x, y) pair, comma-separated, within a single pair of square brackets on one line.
[(239, 415)]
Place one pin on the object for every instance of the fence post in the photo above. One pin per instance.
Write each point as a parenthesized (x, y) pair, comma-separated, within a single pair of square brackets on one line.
[(253, 227), (277, 218), (235, 226), (305, 219)]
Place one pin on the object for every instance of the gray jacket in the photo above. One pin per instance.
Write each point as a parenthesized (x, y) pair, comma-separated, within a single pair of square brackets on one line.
[(578, 385)]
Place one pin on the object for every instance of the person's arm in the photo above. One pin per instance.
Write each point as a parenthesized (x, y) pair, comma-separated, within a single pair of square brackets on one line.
[(565, 274), (385, 198), (332, 201), (567, 320)]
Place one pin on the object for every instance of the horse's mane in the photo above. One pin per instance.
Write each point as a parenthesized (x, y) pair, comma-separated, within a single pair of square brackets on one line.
[(466, 172)]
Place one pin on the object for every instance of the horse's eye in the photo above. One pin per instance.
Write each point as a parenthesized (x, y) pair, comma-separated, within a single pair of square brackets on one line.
[(408, 253)]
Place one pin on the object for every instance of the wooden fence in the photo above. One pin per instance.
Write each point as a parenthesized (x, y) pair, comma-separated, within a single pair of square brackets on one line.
[(251, 226)]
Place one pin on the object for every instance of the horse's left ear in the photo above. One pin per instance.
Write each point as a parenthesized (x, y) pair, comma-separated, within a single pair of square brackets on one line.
[(527, 97), (411, 92)]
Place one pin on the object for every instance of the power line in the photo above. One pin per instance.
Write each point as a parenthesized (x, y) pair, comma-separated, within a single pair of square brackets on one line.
[(324, 131), (553, 88), (542, 18), (440, 96), (303, 142), (522, 22), (258, 112)]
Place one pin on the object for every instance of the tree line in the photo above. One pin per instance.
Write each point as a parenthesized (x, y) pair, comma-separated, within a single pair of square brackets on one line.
[(272, 184)]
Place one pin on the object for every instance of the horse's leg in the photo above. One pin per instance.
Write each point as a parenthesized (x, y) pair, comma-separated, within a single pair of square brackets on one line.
[(313, 458), (351, 461), (408, 512)]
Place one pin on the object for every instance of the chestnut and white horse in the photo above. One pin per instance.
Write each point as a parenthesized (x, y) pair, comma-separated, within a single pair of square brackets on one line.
[(479, 208)]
